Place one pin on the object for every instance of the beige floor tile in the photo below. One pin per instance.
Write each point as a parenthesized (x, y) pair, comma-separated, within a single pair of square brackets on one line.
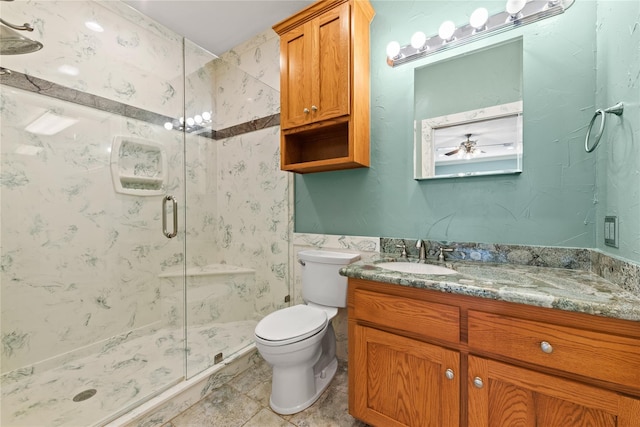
[(266, 418), (252, 377), (244, 402), (224, 407), (261, 393)]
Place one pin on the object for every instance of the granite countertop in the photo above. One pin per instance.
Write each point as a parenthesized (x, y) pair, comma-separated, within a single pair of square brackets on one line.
[(564, 289)]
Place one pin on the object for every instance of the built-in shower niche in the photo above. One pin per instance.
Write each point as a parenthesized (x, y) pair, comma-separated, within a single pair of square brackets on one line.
[(138, 166)]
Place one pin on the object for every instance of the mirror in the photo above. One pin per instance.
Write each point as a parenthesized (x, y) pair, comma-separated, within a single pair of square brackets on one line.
[(468, 114)]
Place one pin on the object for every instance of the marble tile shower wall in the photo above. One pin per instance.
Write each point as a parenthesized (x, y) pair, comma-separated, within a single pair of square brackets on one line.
[(66, 239), (134, 60), (255, 218), (79, 261), (240, 96)]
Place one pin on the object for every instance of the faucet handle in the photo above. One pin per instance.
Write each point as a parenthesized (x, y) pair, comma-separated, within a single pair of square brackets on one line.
[(442, 251), (403, 254)]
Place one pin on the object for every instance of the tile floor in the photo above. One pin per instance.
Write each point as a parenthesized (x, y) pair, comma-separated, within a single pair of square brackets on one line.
[(244, 402)]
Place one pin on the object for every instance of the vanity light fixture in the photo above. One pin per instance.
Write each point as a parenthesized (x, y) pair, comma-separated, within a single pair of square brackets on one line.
[(418, 40), (514, 7), (479, 18), (190, 124), (517, 13), (446, 31), (393, 49)]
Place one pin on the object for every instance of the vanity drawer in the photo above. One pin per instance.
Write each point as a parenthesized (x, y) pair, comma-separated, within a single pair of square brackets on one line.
[(597, 355), (424, 318)]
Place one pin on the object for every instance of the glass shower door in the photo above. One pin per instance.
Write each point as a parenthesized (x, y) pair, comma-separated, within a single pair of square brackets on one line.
[(237, 215), (92, 323), (219, 305)]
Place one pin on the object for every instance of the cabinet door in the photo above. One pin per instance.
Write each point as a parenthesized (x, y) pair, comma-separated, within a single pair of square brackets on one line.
[(331, 88), (399, 381), (505, 395), (315, 62), (296, 67)]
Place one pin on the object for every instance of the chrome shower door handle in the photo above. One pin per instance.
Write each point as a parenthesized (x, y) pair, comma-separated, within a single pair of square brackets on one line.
[(166, 232)]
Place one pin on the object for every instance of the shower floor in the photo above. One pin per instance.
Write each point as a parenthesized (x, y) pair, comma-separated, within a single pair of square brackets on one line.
[(123, 376)]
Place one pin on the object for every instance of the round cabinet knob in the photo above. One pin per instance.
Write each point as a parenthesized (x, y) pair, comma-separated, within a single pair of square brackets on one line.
[(477, 381), (546, 347), (314, 108), (306, 111), (449, 374)]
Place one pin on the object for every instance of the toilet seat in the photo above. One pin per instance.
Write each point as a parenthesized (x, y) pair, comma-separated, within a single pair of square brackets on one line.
[(291, 324)]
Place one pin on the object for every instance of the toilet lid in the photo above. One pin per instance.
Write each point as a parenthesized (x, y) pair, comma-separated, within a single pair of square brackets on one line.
[(299, 321)]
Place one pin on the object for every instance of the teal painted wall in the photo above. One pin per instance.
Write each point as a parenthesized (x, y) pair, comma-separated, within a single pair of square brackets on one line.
[(551, 203), (618, 155), (480, 79)]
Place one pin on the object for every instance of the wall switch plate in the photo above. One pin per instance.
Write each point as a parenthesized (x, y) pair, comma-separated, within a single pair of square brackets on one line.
[(611, 231)]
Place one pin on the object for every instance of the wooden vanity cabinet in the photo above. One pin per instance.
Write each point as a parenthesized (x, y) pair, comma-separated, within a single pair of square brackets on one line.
[(502, 394), (324, 86), (400, 379), (427, 358)]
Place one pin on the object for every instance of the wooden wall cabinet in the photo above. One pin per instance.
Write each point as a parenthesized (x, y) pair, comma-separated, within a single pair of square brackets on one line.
[(324, 86), (426, 358)]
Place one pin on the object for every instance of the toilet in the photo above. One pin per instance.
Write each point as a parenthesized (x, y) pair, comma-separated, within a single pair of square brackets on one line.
[(299, 342)]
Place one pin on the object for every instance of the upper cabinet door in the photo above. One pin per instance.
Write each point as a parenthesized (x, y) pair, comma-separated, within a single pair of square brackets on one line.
[(333, 61), (296, 69), (315, 65)]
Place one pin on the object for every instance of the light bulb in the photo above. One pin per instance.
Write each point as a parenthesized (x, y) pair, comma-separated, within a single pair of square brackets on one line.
[(479, 18), (198, 118), (393, 49), (446, 30), (515, 6), (206, 115), (418, 40), (190, 121), (168, 125)]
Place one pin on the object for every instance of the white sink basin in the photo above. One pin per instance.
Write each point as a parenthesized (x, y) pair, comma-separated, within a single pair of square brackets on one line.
[(415, 268)]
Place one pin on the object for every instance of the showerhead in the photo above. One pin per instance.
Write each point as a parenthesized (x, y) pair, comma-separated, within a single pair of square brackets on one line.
[(12, 43)]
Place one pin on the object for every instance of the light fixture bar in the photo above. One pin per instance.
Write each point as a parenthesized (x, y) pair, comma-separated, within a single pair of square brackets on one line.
[(533, 11)]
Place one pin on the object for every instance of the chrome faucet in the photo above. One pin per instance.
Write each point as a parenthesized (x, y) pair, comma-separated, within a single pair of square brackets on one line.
[(422, 247)]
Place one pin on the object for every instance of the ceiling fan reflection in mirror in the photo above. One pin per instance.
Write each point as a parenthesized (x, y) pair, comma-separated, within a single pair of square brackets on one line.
[(466, 148), (469, 149)]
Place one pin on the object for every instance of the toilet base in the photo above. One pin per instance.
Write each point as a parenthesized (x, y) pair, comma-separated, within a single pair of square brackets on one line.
[(322, 381)]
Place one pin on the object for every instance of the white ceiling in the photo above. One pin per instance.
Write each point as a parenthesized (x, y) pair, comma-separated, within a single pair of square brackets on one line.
[(218, 25)]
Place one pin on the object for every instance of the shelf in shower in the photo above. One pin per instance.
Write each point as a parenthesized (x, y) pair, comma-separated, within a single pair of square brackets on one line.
[(208, 270), (142, 180), (138, 166)]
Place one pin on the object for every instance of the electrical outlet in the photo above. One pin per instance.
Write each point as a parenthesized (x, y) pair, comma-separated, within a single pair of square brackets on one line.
[(611, 232)]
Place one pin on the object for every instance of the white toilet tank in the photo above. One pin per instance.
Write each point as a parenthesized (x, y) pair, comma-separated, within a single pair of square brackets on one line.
[(321, 281)]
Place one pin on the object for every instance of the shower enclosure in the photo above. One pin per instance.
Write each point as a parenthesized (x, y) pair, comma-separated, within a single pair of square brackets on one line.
[(144, 219)]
